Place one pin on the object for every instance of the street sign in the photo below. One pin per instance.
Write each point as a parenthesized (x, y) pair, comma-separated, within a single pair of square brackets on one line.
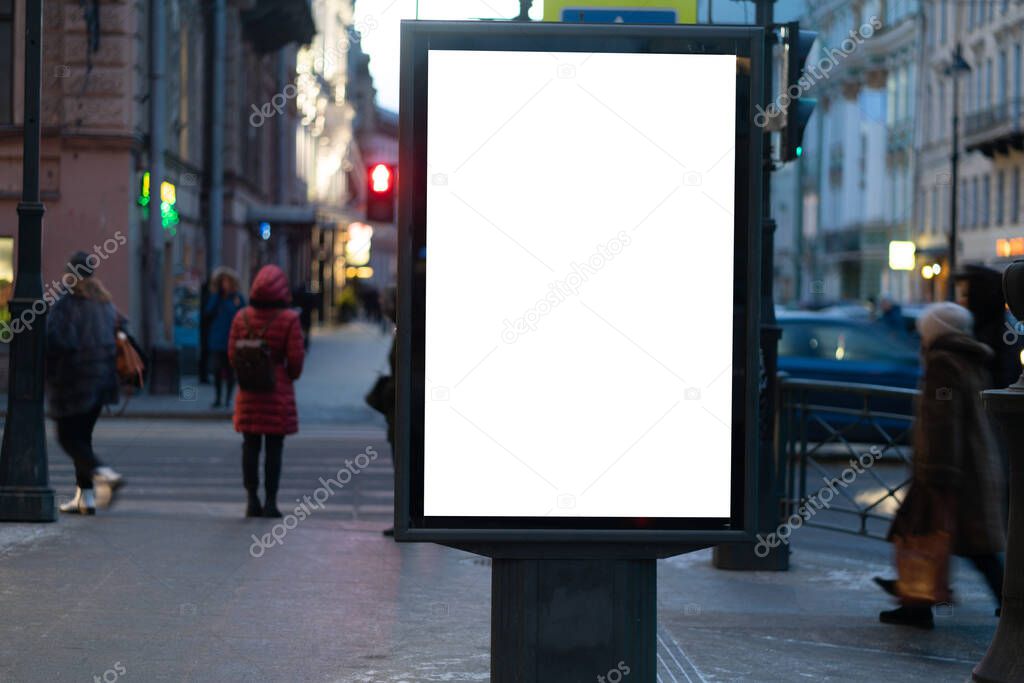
[(622, 11), (578, 283)]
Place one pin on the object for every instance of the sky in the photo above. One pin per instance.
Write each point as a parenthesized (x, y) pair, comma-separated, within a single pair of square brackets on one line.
[(380, 21)]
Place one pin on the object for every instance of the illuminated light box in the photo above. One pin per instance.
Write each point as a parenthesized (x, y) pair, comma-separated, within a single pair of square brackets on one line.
[(578, 283)]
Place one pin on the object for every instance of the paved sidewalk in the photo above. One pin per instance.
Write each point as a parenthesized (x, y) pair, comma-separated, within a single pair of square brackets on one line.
[(166, 584)]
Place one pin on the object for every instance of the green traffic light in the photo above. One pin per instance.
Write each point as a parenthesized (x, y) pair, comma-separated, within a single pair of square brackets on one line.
[(799, 151)]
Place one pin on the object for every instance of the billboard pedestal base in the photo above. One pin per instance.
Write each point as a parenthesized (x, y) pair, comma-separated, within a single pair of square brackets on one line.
[(573, 620), (742, 556), (27, 504)]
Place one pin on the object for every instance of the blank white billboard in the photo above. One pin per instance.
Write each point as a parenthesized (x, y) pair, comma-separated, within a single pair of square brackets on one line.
[(579, 286)]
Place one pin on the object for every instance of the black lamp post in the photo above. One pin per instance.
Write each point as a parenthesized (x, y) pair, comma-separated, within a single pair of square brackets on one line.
[(25, 494), (955, 69)]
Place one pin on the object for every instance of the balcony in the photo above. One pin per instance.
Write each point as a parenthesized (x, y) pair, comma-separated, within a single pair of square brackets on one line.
[(271, 24), (845, 242), (994, 131)]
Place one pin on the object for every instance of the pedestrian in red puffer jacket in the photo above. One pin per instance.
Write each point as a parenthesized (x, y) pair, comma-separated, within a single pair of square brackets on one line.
[(268, 416)]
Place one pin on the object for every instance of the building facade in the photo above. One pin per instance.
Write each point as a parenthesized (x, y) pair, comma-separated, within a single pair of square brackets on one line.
[(284, 132), (990, 224), (857, 176)]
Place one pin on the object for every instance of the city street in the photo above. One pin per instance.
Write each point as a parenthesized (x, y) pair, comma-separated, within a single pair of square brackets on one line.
[(169, 585), (619, 278)]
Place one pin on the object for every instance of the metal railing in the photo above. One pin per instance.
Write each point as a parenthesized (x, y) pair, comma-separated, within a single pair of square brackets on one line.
[(827, 432), (1003, 113)]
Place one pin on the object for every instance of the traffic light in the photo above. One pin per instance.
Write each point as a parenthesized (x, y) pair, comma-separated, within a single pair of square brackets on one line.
[(796, 48), (380, 196)]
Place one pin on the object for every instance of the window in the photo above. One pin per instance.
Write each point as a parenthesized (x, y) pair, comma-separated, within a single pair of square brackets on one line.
[(973, 87), (6, 61), (975, 203), (970, 14), (944, 196), (1001, 82), (941, 108), (934, 224), (1017, 80), (929, 129), (1000, 195), (986, 199), (6, 260), (942, 20), (930, 34), (987, 101), (963, 219), (890, 99), (1015, 196)]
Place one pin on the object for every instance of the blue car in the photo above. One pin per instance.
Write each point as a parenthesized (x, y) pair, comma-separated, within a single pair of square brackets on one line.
[(840, 349), (833, 348)]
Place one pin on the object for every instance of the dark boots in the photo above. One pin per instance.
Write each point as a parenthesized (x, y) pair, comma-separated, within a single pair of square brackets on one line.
[(918, 617), (253, 507), (274, 445)]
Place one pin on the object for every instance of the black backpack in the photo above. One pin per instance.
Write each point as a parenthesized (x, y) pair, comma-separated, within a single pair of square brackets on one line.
[(253, 361)]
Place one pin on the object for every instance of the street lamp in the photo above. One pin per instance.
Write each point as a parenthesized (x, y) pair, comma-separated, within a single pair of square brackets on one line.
[(955, 69), (25, 493)]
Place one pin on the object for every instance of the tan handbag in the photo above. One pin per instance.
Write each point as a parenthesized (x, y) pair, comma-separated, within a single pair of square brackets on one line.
[(130, 367), (922, 565), (923, 542)]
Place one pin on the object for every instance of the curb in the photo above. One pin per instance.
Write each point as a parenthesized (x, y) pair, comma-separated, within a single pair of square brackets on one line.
[(155, 415)]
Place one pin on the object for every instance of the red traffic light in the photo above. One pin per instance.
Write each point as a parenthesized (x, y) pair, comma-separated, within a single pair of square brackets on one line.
[(381, 178), (380, 197)]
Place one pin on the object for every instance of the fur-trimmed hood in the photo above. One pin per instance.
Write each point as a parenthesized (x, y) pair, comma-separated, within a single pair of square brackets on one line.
[(91, 289)]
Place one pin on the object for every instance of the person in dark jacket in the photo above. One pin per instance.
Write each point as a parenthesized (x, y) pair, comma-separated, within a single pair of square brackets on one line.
[(891, 315), (390, 310), (305, 301), (265, 418), (957, 482), (980, 290), (221, 307), (81, 376)]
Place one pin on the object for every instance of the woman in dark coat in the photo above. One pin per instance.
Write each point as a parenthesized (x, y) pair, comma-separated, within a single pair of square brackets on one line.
[(268, 417), (221, 307), (957, 482), (81, 375)]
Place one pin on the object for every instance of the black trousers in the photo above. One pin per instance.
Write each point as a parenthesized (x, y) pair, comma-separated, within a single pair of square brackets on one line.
[(274, 446), (991, 567), (223, 374), (74, 433)]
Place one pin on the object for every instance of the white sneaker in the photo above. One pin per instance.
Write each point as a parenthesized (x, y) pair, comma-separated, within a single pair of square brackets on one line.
[(108, 476), (84, 503), (107, 482)]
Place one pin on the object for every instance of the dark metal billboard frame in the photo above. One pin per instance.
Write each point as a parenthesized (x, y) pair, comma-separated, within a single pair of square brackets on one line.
[(573, 536)]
